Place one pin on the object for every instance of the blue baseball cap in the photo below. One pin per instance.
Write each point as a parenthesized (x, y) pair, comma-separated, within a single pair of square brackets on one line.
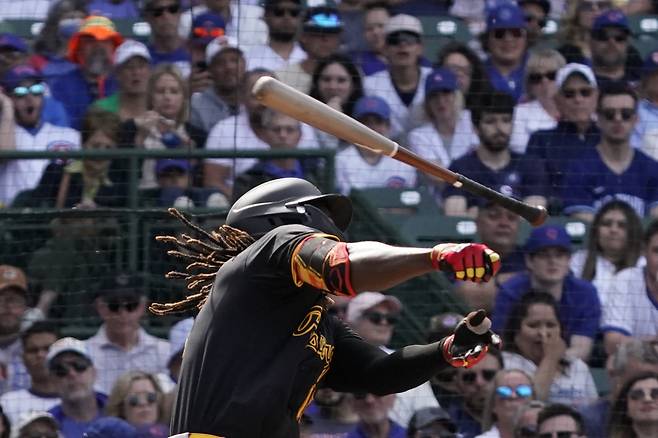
[(206, 27), (110, 427), (650, 63), (371, 105), (14, 76), (169, 164), (440, 79), (506, 16), (9, 40), (611, 18), (548, 236)]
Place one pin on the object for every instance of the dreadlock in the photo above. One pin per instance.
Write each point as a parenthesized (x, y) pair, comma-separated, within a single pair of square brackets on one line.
[(205, 257)]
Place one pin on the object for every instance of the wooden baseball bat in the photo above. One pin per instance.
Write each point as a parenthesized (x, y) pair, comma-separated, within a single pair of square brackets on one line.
[(281, 97)]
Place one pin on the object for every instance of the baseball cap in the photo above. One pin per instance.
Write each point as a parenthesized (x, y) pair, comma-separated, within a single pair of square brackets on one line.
[(11, 41), (374, 105), (30, 417), (206, 27), (548, 236), (425, 417), (11, 276), (121, 285), (218, 45), (575, 68), (442, 325), (440, 79), (110, 427), (169, 164), (65, 345), (14, 76), (324, 18), (403, 23), (178, 335), (153, 431), (367, 300), (128, 49), (506, 16), (650, 63), (97, 26), (611, 18)]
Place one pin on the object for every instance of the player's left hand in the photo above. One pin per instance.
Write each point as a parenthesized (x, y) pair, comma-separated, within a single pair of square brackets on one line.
[(471, 340), (467, 261)]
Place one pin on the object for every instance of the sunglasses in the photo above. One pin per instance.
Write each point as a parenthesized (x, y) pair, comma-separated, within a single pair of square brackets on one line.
[(591, 5), (380, 318), (499, 34), (506, 392), (39, 435), (34, 90), (603, 36), (116, 306), (529, 18), (570, 93), (527, 432), (610, 114), (148, 398), (205, 32), (62, 369), (280, 12), (470, 376), (159, 12), (445, 376), (642, 394), (536, 78), (560, 434), (397, 38)]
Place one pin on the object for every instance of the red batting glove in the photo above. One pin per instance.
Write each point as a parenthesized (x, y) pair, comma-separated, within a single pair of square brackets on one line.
[(467, 261), (470, 342)]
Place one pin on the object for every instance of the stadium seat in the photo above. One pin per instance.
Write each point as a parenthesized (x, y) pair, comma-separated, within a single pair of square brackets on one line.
[(28, 29), (644, 29), (439, 30)]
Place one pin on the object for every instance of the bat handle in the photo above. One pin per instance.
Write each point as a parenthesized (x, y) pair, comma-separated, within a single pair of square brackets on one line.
[(536, 215)]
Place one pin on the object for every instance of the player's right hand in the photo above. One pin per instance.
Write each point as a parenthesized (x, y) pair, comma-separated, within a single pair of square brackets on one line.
[(466, 261)]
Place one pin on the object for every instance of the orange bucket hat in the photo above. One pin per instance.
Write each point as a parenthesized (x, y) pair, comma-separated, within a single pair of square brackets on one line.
[(99, 27)]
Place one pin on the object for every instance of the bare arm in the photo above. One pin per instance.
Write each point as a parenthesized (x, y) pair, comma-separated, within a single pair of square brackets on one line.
[(580, 347), (455, 206), (549, 366), (215, 176), (7, 124), (612, 341)]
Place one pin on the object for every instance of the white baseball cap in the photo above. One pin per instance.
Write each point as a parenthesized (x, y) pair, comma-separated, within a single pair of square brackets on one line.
[(575, 68), (128, 49), (67, 344), (367, 300), (403, 23), (30, 417), (219, 44)]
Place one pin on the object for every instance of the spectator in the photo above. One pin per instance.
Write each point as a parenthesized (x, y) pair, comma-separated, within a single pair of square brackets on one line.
[(540, 111), (36, 423), (110, 427), (22, 127), (536, 13), (645, 135), (506, 44), (525, 419), (431, 422), (337, 82), (87, 182), (13, 51), (136, 397), (166, 46), (114, 9), (449, 133), (575, 31), (75, 375), (205, 28), (121, 344), (609, 47), (132, 70), (164, 125), (401, 85), (373, 315), (320, 37), (174, 177), (357, 168), (444, 383), (548, 252), (575, 132), (92, 50), (283, 19), (535, 345), (614, 244), (498, 228), (511, 390), (635, 409), (558, 419), (177, 337), (471, 78), (332, 413), (374, 422), (492, 163), (629, 310), (372, 59), (614, 169), (474, 384), (41, 395)]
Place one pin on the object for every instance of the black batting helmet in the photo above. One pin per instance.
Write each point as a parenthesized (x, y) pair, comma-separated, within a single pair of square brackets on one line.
[(289, 201)]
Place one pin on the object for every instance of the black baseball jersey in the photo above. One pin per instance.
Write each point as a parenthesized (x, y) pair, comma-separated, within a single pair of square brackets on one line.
[(261, 345)]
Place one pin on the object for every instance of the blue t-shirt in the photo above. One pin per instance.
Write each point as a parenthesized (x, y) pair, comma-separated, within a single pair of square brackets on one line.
[(468, 426), (511, 84), (75, 429), (121, 11), (180, 58), (579, 306), (521, 176), (589, 183), (396, 431), (54, 112)]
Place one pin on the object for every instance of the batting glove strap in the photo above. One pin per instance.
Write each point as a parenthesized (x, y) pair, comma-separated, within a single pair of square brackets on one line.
[(467, 261), (470, 342)]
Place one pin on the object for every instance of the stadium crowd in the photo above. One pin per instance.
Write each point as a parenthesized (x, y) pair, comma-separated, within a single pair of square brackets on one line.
[(567, 120)]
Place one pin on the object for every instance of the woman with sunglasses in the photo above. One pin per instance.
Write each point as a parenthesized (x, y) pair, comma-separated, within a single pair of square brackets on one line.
[(534, 344), (635, 409), (511, 390), (137, 398), (540, 110)]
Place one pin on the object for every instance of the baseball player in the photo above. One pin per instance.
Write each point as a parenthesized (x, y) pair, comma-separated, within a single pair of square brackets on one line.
[(263, 341)]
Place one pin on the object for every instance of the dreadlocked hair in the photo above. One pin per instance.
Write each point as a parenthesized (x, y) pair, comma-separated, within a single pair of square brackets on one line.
[(205, 256)]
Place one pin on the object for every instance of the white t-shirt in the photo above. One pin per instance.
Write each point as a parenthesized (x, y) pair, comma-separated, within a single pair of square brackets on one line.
[(22, 401), (491, 433), (403, 118), (264, 57), (24, 9), (630, 309), (575, 386), (352, 171), (19, 175), (295, 76), (528, 118)]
